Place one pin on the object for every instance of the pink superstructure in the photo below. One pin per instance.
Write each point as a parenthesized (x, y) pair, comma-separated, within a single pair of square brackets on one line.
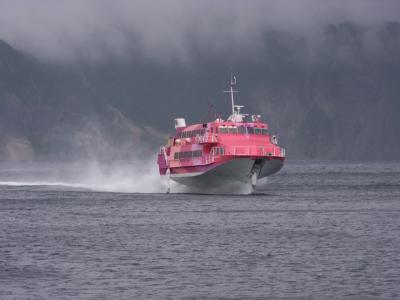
[(212, 154)]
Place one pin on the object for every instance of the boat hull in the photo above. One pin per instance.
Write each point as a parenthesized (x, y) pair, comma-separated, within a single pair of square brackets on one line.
[(228, 172)]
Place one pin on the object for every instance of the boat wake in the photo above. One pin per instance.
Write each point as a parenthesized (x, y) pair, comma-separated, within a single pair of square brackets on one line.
[(124, 177), (42, 183)]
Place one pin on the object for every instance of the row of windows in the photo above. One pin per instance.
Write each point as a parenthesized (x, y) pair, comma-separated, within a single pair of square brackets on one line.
[(192, 133), (243, 130), (218, 151), (187, 154)]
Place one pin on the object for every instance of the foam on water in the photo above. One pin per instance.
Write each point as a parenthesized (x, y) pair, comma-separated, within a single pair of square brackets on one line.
[(128, 177), (42, 183), (140, 176)]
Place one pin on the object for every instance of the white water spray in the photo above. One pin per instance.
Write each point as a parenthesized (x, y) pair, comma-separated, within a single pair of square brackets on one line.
[(138, 176), (134, 176)]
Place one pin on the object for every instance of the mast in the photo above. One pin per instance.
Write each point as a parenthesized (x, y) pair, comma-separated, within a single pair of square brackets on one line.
[(233, 82), (231, 91), (236, 116)]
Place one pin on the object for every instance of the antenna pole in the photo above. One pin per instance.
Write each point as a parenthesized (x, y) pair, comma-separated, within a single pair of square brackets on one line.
[(231, 91), (233, 82), (233, 103)]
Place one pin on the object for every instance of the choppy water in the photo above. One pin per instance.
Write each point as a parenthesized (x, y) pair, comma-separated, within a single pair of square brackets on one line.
[(316, 230)]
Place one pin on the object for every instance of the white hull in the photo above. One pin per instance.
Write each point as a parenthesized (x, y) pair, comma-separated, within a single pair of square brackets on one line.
[(235, 170)]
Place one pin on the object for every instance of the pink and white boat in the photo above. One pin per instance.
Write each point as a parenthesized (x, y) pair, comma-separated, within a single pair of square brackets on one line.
[(213, 154)]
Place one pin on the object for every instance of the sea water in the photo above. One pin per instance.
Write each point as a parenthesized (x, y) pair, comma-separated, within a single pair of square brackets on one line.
[(319, 230)]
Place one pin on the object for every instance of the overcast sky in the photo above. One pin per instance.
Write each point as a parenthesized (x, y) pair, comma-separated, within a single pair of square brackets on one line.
[(163, 30)]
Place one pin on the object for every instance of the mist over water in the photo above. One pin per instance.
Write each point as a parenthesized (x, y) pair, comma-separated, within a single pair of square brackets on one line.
[(125, 177), (131, 176)]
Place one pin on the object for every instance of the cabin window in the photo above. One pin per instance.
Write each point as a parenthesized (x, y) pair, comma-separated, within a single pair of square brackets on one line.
[(232, 130), (257, 131), (218, 151), (264, 131), (241, 129), (250, 130), (187, 154), (223, 130), (197, 153), (192, 133)]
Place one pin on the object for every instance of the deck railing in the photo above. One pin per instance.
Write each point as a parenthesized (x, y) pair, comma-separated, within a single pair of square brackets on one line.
[(255, 151)]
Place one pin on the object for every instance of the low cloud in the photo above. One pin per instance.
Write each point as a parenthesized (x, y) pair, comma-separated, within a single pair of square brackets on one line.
[(92, 30)]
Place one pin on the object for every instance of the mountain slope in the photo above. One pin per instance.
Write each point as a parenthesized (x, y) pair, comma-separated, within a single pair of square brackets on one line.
[(331, 97)]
